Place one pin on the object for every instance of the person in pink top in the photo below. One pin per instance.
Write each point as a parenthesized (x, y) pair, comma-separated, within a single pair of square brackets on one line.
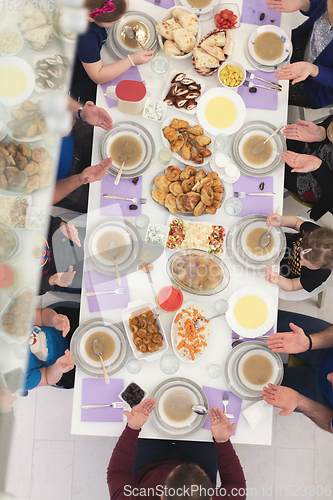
[(167, 470)]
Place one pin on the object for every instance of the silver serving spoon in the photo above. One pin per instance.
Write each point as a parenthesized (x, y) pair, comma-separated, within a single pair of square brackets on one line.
[(259, 147), (116, 182), (98, 349), (265, 238), (202, 410), (111, 247), (199, 322), (131, 33)]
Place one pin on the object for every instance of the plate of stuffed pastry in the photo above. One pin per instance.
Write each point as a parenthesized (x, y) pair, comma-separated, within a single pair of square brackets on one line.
[(187, 141), (190, 191)]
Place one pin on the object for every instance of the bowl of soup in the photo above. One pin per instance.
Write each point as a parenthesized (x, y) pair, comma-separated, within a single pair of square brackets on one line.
[(111, 245), (200, 6), (173, 415), (249, 237), (17, 80), (269, 45)]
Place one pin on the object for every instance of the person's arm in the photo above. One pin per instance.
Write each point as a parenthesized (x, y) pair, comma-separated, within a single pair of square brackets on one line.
[(288, 399), (48, 317), (305, 131), (324, 177), (297, 341), (284, 220), (289, 285), (50, 375), (121, 462), (64, 187), (289, 5), (90, 113)]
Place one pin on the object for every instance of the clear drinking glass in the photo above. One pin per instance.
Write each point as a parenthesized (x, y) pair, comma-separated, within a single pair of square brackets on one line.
[(133, 366), (233, 206), (169, 364), (159, 65), (214, 371), (165, 155), (221, 306), (221, 141)]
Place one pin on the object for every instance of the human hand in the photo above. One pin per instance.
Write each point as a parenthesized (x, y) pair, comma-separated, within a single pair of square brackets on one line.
[(271, 276), (142, 56), (304, 131), (281, 396), (285, 5), (6, 399), (95, 172), (274, 220), (64, 279), (290, 342), (70, 231), (297, 72), (220, 425), (65, 363), (139, 414), (98, 117), (301, 163), (61, 322)]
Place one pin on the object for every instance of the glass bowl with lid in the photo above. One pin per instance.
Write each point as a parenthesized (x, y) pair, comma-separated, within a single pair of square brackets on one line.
[(198, 272)]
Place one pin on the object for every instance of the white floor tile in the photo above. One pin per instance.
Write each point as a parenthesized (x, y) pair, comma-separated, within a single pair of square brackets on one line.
[(52, 470), (293, 469), (53, 414), (20, 462), (91, 459), (291, 430), (308, 307), (323, 459), (326, 312)]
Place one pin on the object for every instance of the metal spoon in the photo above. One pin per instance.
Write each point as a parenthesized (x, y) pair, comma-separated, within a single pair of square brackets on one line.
[(259, 147), (116, 182), (202, 410), (130, 32), (98, 349), (199, 322), (111, 246), (265, 238)]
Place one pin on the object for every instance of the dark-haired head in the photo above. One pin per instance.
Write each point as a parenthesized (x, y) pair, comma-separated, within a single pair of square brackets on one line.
[(116, 10), (190, 481)]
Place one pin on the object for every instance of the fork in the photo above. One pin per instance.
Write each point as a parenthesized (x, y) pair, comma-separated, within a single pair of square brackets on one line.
[(225, 401), (242, 194), (252, 77), (117, 404), (250, 84), (118, 291), (140, 201)]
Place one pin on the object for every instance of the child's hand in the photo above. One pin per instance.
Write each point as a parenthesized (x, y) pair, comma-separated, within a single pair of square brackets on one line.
[(142, 56), (65, 363), (271, 276), (61, 322), (274, 220)]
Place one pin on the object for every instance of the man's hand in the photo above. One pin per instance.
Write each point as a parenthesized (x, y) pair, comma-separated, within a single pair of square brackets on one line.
[(285, 5), (301, 163), (220, 425), (6, 399), (61, 322), (96, 116), (304, 131), (70, 231), (271, 276), (95, 172), (65, 363), (139, 414), (297, 72), (274, 220), (282, 397), (290, 342), (64, 279), (142, 56)]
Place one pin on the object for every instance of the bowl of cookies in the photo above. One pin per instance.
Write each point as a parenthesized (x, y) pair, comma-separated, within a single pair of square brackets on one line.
[(212, 51), (178, 33), (191, 191)]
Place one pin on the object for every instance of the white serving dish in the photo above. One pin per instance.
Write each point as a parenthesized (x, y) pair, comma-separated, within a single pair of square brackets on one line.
[(163, 105), (125, 315), (9, 60), (256, 414), (18, 33), (168, 84), (233, 63), (273, 29)]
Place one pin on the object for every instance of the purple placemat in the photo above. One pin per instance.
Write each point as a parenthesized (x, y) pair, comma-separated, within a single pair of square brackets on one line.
[(125, 188), (96, 392), (215, 396), (97, 282), (235, 336), (166, 4), (262, 205), (131, 74), (262, 99), (252, 9)]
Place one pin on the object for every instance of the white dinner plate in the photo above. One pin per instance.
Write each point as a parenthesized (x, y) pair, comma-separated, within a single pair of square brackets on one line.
[(30, 76), (203, 10), (262, 67), (232, 96), (270, 29)]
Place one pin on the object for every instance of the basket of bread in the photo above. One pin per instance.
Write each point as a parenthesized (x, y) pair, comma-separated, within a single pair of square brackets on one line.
[(178, 33), (35, 26), (188, 191), (212, 51)]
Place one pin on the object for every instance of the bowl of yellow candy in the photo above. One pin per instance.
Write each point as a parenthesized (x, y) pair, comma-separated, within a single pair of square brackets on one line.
[(231, 74)]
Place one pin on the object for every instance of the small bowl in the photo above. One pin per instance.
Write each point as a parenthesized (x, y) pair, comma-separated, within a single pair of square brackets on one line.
[(159, 117), (19, 36), (230, 6), (145, 394), (167, 16), (233, 63)]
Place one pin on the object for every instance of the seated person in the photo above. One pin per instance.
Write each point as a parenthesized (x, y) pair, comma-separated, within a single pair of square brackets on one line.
[(62, 258), (308, 260), (311, 68), (164, 465), (74, 171), (50, 361), (307, 388), (310, 150)]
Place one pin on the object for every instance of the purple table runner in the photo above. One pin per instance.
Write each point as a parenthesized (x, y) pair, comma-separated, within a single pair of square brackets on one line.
[(262, 99), (97, 282), (215, 396), (252, 10), (262, 205), (97, 392), (125, 188)]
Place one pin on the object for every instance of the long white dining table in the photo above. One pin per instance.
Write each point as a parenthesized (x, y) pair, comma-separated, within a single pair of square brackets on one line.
[(220, 342)]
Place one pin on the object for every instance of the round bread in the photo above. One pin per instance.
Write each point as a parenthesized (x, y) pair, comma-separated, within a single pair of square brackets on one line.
[(32, 184), (176, 188), (11, 147), (39, 154), (172, 173), (46, 166), (32, 168), (207, 196), (24, 149), (188, 184), (21, 161), (159, 195), (162, 183), (170, 203), (45, 179)]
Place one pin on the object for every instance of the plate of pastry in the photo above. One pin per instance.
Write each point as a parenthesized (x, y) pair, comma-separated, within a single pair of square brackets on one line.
[(187, 141), (182, 91), (27, 122), (212, 51), (191, 191)]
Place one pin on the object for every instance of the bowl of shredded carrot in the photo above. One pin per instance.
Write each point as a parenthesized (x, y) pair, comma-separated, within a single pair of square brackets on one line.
[(189, 340)]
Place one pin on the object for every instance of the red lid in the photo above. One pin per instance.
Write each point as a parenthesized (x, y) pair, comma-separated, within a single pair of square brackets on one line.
[(130, 90), (170, 299), (6, 276)]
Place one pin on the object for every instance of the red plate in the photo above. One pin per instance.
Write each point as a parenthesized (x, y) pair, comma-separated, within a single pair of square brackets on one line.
[(170, 299)]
